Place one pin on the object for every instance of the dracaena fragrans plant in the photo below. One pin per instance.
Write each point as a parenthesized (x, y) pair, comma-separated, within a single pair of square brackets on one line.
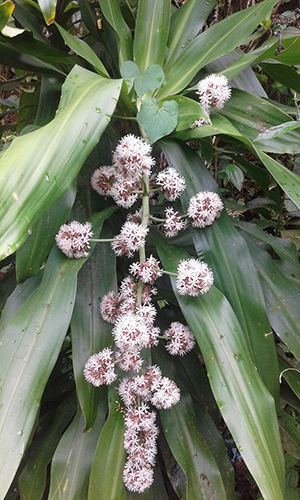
[(147, 211)]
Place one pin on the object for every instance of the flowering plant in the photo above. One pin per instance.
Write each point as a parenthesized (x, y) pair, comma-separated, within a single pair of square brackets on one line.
[(150, 299)]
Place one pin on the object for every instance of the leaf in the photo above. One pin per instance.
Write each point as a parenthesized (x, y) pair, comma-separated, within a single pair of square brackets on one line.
[(45, 162), (151, 79), (112, 12), (73, 458), (32, 480), (277, 130), (157, 120), (226, 252), (82, 49), (284, 74), (48, 8), (151, 32), (245, 404), (235, 175), (189, 111), (33, 253), (6, 9), (290, 54), (107, 470), (191, 451), (289, 430), (90, 333), (33, 326), (186, 23), (220, 38)]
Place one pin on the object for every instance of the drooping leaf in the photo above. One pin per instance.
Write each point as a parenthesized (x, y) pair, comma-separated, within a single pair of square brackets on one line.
[(81, 48), (73, 458), (109, 457), (6, 9), (220, 38), (157, 120), (245, 404), (46, 161), (227, 254), (151, 32), (33, 325)]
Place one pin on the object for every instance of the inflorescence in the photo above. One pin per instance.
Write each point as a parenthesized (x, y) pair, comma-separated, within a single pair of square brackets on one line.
[(131, 310)]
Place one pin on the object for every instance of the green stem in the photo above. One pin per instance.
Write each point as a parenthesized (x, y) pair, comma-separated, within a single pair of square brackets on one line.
[(108, 240)]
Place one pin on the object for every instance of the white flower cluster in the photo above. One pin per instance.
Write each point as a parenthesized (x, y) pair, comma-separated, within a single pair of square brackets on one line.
[(194, 277), (213, 92)]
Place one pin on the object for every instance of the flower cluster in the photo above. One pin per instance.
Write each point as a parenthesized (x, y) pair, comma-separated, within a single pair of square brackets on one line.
[(131, 238), (204, 208), (213, 92), (73, 239), (194, 277)]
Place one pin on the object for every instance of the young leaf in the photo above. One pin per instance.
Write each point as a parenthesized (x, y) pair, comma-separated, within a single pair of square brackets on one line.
[(157, 120), (235, 175), (151, 79)]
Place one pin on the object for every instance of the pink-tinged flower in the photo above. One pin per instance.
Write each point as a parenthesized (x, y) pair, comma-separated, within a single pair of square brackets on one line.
[(109, 307), (137, 478), (171, 183), (141, 445), (122, 192), (102, 180), (142, 387), (140, 418), (154, 376), (130, 332), (213, 92), (127, 391), (136, 216), (130, 359), (131, 238), (194, 277), (166, 395), (99, 368), (173, 223), (180, 339), (147, 312), (204, 208), (73, 239), (132, 157), (147, 271)]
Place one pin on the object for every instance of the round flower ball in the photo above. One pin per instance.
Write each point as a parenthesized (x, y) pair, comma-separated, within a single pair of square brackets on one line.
[(213, 92), (194, 277), (204, 208), (73, 239)]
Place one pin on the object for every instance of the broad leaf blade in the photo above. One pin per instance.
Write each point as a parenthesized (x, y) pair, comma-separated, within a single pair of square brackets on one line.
[(107, 470), (112, 12), (45, 162), (246, 405), (33, 326), (226, 252), (73, 458), (151, 32), (223, 37)]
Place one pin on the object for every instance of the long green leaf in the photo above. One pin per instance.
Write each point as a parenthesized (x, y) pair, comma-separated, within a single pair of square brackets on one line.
[(226, 252), (82, 49), (6, 9), (186, 23), (284, 74), (112, 12), (33, 326), (45, 162), (107, 470), (90, 333), (32, 254), (73, 458), (246, 405), (191, 451), (212, 43), (151, 32), (32, 480)]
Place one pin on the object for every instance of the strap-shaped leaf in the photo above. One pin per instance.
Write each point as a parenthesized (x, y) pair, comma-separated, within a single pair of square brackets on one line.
[(73, 458), (33, 326), (247, 407), (151, 32), (112, 12), (226, 252), (186, 23), (212, 43), (40, 166), (107, 471)]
